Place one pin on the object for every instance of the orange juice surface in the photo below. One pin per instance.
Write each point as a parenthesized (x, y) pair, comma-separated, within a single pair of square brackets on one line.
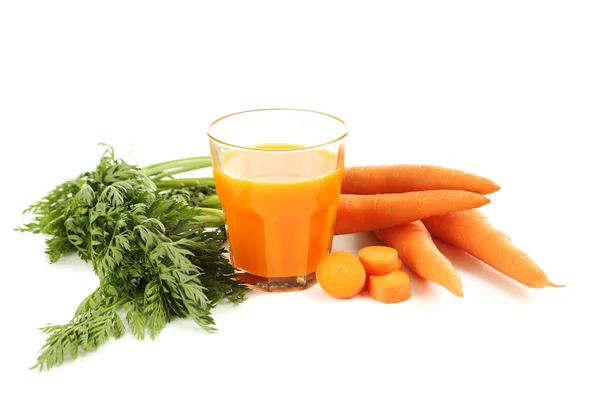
[(280, 208)]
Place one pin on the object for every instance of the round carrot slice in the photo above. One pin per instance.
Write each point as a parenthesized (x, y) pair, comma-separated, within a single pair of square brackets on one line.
[(379, 260), (341, 274), (390, 288)]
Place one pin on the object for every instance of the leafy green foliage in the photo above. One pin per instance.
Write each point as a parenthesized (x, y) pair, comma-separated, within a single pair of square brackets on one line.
[(195, 196), (150, 248)]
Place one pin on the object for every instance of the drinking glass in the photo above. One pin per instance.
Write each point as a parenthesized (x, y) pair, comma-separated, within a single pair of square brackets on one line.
[(278, 174)]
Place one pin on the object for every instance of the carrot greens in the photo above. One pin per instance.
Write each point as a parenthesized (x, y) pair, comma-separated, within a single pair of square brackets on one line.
[(145, 235)]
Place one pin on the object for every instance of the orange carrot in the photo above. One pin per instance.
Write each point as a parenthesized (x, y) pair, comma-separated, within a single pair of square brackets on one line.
[(392, 287), (363, 213), (416, 248), (341, 274), (378, 179), (379, 260), (473, 232)]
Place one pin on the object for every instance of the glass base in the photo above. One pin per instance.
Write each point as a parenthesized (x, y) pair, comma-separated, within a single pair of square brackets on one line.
[(286, 284)]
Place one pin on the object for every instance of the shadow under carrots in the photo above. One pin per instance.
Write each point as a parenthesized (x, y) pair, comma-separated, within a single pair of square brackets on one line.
[(466, 263)]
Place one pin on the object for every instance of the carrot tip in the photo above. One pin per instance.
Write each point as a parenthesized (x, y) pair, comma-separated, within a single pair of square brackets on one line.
[(554, 285), (493, 189)]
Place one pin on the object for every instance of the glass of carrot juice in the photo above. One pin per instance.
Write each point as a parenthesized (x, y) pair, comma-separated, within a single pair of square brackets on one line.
[(278, 174)]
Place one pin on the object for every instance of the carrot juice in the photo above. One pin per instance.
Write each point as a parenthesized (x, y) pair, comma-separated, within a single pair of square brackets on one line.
[(280, 208), (280, 200)]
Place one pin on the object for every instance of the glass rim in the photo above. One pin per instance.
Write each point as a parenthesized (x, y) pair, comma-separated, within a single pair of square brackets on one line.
[(292, 149)]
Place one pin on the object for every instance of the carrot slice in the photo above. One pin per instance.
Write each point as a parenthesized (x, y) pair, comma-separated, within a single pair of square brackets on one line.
[(390, 288), (379, 260), (341, 274)]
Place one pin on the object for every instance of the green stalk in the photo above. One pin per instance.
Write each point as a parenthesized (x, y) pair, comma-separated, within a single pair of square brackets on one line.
[(210, 221), (176, 171), (169, 167), (184, 183), (209, 180), (211, 201), (213, 211), (215, 218), (169, 164), (211, 205)]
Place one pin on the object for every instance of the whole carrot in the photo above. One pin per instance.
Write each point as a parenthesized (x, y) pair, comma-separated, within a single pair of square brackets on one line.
[(401, 178), (418, 252), (364, 213), (471, 231)]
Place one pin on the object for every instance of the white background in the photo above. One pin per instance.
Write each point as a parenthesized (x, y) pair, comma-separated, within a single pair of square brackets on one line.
[(509, 90)]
